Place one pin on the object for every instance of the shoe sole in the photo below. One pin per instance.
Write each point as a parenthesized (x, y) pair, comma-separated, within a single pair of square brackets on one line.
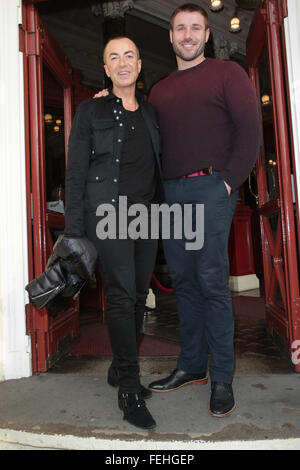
[(192, 382), (149, 428), (222, 415)]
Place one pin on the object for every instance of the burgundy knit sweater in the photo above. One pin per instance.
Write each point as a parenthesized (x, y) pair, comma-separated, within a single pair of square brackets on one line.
[(208, 115)]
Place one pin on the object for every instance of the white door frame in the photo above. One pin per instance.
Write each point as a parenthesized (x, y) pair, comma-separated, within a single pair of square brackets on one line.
[(292, 38), (15, 354)]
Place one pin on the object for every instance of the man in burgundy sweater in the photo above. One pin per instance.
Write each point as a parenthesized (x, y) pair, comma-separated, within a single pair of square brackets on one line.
[(210, 128)]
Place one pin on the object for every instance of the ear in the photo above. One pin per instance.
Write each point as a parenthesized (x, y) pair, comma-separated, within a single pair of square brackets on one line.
[(207, 34), (171, 35), (139, 65), (106, 70)]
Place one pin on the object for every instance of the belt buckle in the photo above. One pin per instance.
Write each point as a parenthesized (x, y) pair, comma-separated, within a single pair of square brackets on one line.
[(206, 171)]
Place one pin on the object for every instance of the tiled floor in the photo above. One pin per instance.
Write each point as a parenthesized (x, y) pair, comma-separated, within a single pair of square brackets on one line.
[(163, 320), (251, 336), (256, 352)]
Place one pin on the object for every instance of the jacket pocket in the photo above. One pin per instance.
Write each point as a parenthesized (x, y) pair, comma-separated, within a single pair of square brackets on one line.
[(95, 192), (103, 133)]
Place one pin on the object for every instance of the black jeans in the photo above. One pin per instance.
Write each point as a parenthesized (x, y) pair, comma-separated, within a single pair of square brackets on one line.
[(200, 278), (126, 267)]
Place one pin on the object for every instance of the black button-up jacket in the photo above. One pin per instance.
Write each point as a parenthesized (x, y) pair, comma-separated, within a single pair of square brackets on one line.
[(95, 146)]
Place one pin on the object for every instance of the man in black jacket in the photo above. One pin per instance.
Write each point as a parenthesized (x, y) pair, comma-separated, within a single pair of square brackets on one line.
[(114, 152)]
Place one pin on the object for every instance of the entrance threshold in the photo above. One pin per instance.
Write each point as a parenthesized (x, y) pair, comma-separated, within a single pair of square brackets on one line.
[(20, 440), (67, 412)]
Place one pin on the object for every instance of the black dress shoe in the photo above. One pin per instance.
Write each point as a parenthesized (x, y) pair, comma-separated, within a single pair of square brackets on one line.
[(178, 379), (135, 410), (222, 399), (113, 380)]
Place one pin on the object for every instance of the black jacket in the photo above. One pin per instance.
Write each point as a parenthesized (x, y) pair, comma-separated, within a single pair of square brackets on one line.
[(95, 146), (71, 264)]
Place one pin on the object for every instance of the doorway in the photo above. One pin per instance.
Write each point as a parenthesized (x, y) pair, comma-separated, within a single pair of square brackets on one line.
[(49, 109), (274, 175), (77, 328)]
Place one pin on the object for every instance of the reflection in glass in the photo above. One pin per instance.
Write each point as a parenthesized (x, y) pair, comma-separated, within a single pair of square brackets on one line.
[(268, 127), (54, 141)]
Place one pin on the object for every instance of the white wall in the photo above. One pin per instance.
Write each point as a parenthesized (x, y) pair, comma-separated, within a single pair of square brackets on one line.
[(292, 35), (15, 358)]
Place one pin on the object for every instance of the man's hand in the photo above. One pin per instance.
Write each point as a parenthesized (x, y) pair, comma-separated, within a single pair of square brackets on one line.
[(102, 93), (228, 188)]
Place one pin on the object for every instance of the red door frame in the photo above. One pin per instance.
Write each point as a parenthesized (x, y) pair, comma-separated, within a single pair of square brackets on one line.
[(48, 334), (280, 252)]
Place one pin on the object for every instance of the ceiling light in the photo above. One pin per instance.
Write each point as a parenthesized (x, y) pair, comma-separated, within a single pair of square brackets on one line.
[(48, 118), (266, 100), (216, 5), (235, 25)]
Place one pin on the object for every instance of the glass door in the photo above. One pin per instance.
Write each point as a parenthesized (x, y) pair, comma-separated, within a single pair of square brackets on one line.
[(50, 110), (265, 58)]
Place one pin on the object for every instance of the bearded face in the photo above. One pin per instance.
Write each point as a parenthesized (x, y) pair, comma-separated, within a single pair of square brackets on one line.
[(189, 36)]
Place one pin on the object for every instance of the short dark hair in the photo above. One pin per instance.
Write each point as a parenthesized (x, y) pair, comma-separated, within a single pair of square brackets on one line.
[(191, 8), (119, 37)]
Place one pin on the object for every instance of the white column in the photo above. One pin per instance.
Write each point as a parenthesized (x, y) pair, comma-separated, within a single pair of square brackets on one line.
[(292, 36), (15, 357)]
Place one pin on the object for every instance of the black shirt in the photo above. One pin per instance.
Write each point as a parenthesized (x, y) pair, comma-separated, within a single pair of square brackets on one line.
[(138, 165), (95, 150)]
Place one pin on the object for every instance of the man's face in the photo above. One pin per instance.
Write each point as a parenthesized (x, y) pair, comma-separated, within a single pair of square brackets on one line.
[(189, 35), (122, 63)]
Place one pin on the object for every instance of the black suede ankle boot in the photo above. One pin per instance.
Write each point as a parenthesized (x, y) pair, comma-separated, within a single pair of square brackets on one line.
[(135, 410), (113, 380)]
